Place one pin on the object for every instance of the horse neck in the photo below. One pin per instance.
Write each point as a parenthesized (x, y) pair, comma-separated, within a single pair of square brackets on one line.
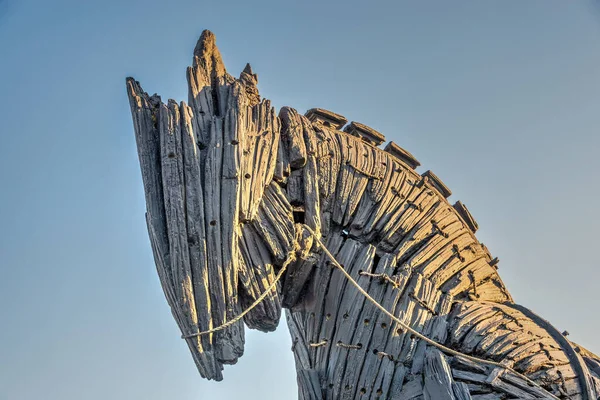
[(395, 233)]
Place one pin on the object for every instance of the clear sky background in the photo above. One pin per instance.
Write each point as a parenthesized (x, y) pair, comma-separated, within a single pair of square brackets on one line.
[(501, 99)]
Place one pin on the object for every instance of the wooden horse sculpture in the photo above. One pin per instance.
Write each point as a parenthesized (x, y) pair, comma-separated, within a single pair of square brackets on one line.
[(249, 212)]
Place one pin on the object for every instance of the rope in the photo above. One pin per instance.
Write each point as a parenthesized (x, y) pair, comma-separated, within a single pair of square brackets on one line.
[(383, 277), (349, 346), (290, 258), (433, 343)]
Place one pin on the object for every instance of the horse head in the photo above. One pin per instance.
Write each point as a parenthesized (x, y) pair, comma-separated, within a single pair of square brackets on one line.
[(249, 212)]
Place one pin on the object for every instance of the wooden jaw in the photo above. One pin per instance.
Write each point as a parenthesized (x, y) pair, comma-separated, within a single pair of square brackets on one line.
[(231, 189)]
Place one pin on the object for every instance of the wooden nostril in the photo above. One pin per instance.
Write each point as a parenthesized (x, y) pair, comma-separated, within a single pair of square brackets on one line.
[(247, 176)]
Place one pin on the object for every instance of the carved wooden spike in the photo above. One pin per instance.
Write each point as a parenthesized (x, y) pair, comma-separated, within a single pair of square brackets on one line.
[(437, 183), (402, 155), (228, 203), (466, 216), (364, 132), (326, 118)]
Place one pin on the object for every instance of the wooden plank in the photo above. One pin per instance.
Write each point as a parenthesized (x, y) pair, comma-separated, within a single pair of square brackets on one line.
[(308, 381), (386, 335), (230, 341), (479, 271), (375, 192), (365, 133), (352, 180), (412, 389), (233, 120), (453, 253), (422, 208), (366, 324), (466, 216), (329, 160), (461, 391), (275, 222), (196, 234), (312, 206), (576, 361), (292, 134), (319, 286), (404, 156), (300, 344), (418, 308), (295, 188), (347, 323), (446, 231), (331, 301), (173, 192), (437, 376), (366, 171), (399, 196), (396, 386), (282, 165), (320, 116), (259, 169), (423, 231), (299, 272), (256, 273), (431, 179)]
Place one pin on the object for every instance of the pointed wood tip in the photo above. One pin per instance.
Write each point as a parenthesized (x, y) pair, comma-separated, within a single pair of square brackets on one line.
[(133, 86), (206, 44), (207, 56), (207, 52), (138, 98)]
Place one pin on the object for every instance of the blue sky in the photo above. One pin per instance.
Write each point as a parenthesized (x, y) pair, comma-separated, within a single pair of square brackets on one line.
[(499, 98)]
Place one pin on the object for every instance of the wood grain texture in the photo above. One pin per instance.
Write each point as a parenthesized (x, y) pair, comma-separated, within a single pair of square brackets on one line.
[(233, 190)]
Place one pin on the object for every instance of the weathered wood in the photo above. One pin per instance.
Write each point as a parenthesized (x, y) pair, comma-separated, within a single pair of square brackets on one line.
[(312, 200), (295, 188), (309, 384), (233, 191), (438, 376), (256, 273), (326, 118), (174, 192), (299, 273), (329, 160), (429, 178), (364, 132), (466, 216), (275, 224), (402, 155), (292, 134)]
